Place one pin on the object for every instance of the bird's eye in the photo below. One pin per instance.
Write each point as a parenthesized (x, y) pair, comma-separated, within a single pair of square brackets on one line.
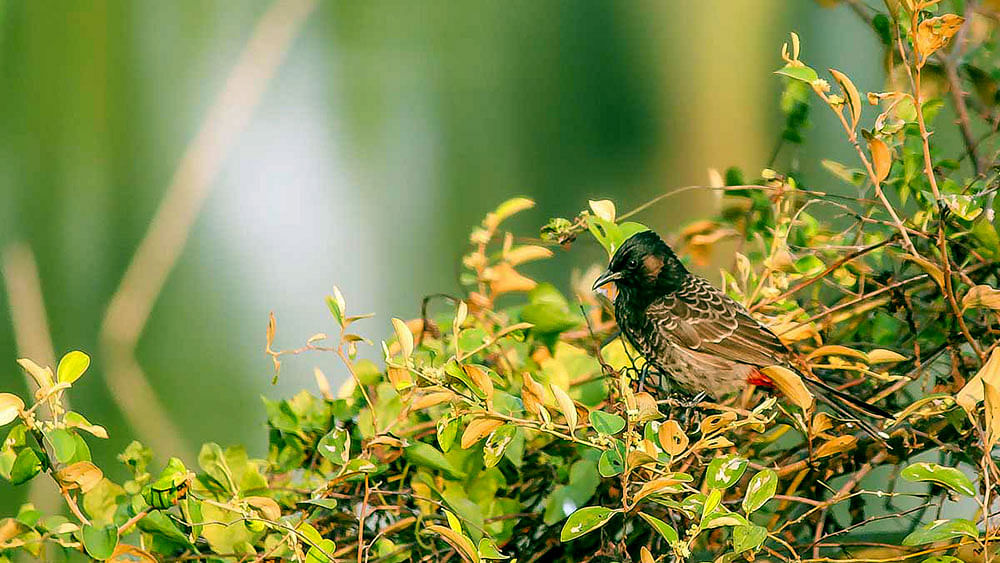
[(633, 263)]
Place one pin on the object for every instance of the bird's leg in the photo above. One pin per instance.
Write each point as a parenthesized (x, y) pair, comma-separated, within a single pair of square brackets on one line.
[(691, 405), (692, 402), (642, 376), (688, 404)]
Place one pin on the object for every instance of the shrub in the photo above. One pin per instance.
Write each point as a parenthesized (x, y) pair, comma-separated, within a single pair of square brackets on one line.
[(508, 423)]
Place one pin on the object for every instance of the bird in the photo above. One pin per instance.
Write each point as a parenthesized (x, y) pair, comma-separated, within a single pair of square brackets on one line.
[(697, 336)]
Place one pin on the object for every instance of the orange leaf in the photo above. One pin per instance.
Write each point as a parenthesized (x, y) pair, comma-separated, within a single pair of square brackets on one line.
[(934, 33), (881, 158), (479, 429)]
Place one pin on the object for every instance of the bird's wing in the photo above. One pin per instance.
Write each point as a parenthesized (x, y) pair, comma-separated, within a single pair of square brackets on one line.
[(702, 318)]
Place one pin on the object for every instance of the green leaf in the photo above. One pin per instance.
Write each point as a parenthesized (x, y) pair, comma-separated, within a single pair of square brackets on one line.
[(712, 501), (360, 465), (63, 444), (548, 311), (611, 235), (316, 553), (426, 455), (336, 446), (336, 305), (77, 420), (809, 265), (488, 550), (723, 472), (584, 521), (72, 366), (611, 463), (497, 444), (327, 503), (748, 537), (949, 477), (100, 541), (666, 530), (447, 430), (26, 466), (722, 517), (800, 73), (761, 488), (606, 423), (943, 559), (940, 530), (7, 458)]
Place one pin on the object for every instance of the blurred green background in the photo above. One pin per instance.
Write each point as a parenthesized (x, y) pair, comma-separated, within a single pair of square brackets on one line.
[(385, 134)]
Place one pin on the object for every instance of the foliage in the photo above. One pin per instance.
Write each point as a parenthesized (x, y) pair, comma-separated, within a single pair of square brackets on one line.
[(510, 426)]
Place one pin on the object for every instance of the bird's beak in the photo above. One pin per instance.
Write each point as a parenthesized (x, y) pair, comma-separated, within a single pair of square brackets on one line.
[(606, 278)]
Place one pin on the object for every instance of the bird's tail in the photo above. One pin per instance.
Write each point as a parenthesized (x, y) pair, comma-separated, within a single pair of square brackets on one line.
[(848, 406)]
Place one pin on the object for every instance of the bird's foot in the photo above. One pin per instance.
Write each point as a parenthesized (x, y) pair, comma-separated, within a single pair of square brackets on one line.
[(684, 400), (686, 404)]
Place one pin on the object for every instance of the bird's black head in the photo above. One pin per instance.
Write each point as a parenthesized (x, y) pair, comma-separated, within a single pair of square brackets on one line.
[(644, 267)]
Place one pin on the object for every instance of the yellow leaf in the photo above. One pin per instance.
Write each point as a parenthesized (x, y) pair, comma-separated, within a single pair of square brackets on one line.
[(603, 208), (72, 366), (656, 486), (460, 315), (478, 429), (972, 393), (836, 446), (323, 384), (505, 210), (928, 267), (992, 396), (791, 386), (713, 443), (791, 331), (480, 379), (399, 377), (431, 399), (836, 350), (851, 94), (566, 407), (125, 553), (982, 296), (645, 556), (504, 278), (934, 33), (645, 404), (882, 356), (404, 336), (638, 458), (462, 544), (532, 394), (347, 388), (82, 474), (45, 392), (821, 422), (528, 253), (881, 158), (10, 407), (512, 206), (716, 421), (266, 506), (672, 438), (42, 376)]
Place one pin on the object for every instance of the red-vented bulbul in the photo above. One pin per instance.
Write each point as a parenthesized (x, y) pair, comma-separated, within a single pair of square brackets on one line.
[(696, 335)]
